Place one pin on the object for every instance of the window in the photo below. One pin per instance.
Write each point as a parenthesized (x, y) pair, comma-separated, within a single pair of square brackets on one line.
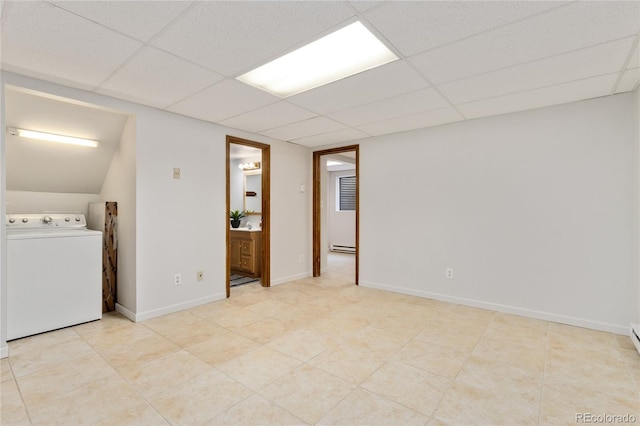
[(346, 193)]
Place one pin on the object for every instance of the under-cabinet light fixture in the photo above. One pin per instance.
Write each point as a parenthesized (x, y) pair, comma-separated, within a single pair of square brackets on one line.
[(50, 137), (343, 53)]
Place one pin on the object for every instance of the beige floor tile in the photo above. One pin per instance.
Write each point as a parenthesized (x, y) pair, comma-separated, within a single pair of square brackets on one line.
[(624, 342), (570, 338), (383, 343), (12, 409), (303, 316), (264, 330), (528, 337), (237, 319), (307, 392), (588, 370), (354, 366), (301, 344), (257, 411), (222, 348), (182, 319), (505, 351), (442, 335), (362, 407), (217, 309), (93, 403), (138, 351), (107, 338), (59, 380), (195, 332), (200, 399), (334, 327), (159, 374), (258, 368), (517, 322), (489, 392), (41, 341), (5, 369), (109, 320), (269, 307), (436, 359), (27, 359), (409, 386), (560, 406)]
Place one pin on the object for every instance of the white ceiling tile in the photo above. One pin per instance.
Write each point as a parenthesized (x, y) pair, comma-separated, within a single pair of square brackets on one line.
[(395, 78), (269, 117), (41, 39), (366, 4), (412, 122), (231, 37), (313, 126), (634, 62), (567, 28), (337, 136), (410, 103), (173, 79), (415, 26), (629, 80), (139, 19), (223, 100), (589, 62), (564, 93)]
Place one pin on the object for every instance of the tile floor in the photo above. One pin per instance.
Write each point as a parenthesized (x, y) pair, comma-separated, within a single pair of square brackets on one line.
[(319, 351)]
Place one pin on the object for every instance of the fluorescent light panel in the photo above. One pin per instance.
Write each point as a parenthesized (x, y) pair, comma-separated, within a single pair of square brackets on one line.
[(333, 163), (50, 137), (345, 52)]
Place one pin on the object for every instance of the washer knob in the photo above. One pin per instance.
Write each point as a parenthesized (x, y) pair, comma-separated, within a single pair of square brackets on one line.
[(25, 220), (66, 219), (77, 219), (12, 220), (46, 219)]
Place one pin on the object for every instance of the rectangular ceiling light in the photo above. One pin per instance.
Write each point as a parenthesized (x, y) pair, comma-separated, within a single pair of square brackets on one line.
[(345, 52), (50, 137)]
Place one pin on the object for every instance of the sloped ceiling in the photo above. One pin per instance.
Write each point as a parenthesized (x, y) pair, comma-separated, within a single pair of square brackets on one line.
[(458, 60), (34, 165)]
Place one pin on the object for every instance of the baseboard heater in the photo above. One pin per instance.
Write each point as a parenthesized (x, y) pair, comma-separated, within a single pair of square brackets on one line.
[(342, 249), (635, 335)]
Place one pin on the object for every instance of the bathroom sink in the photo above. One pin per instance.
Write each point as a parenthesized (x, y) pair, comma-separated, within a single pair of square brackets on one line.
[(246, 229)]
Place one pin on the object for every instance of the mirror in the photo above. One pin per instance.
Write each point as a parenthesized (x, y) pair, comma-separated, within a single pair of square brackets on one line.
[(253, 191)]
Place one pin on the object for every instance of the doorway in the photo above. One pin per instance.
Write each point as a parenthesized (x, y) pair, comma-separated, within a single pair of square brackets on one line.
[(318, 167), (265, 209)]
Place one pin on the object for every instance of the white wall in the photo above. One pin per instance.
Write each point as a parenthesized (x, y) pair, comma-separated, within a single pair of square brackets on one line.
[(120, 186), (4, 350), (342, 224), (636, 198), (180, 223), (38, 202), (533, 210)]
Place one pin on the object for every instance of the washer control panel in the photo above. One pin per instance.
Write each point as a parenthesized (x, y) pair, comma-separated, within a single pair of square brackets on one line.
[(44, 221)]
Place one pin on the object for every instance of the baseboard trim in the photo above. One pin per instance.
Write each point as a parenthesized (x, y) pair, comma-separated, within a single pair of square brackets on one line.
[(143, 316), (634, 334), (290, 278), (547, 316), (4, 350)]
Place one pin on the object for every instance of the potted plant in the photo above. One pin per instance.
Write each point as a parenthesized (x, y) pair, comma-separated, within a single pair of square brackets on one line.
[(236, 216)]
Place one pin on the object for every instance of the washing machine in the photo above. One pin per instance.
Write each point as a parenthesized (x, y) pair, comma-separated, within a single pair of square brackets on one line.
[(54, 273)]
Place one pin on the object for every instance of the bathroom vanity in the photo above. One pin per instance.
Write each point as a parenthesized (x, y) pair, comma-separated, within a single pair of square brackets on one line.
[(246, 251)]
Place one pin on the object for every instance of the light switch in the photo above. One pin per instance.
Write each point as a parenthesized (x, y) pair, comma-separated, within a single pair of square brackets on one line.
[(176, 173)]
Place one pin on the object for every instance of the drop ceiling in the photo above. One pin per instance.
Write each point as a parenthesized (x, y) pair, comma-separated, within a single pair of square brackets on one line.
[(458, 60)]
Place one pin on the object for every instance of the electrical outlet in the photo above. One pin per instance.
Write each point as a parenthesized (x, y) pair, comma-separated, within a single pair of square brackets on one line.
[(200, 276), (176, 173), (450, 273), (177, 279), (302, 258)]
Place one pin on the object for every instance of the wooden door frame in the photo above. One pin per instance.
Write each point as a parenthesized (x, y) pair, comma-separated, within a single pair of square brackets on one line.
[(317, 197), (265, 268)]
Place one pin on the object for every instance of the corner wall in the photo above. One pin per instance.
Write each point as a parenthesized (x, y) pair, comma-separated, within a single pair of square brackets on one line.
[(532, 210), (120, 186)]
